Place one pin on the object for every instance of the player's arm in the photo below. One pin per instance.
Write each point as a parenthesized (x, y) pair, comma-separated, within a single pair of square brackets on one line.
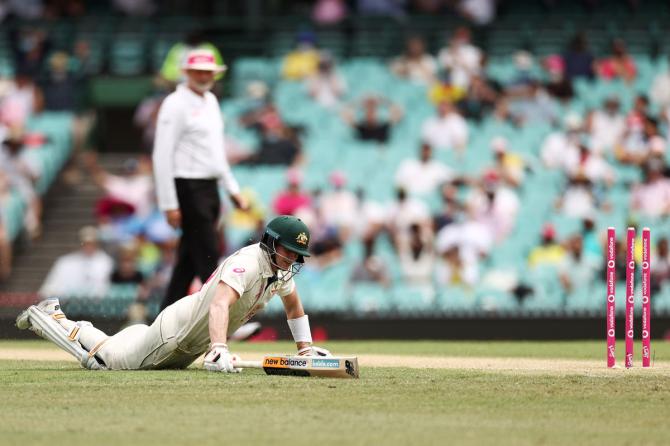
[(298, 322), (218, 312), (218, 358), (294, 312)]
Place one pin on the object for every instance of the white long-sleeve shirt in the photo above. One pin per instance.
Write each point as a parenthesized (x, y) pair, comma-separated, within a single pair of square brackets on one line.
[(189, 144)]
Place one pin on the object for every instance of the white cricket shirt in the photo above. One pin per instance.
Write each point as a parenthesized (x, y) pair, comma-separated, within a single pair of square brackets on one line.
[(248, 272), (189, 144)]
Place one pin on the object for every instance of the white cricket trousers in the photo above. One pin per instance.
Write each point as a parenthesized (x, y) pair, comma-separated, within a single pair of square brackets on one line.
[(141, 347)]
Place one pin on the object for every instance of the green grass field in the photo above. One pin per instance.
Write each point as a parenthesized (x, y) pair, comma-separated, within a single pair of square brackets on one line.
[(55, 402)]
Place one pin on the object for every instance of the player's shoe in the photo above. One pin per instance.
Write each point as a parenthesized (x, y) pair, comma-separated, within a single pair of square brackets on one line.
[(50, 307)]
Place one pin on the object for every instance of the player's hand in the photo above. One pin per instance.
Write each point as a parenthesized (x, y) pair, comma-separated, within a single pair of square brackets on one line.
[(173, 217), (313, 351), (219, 359), (240, 202)]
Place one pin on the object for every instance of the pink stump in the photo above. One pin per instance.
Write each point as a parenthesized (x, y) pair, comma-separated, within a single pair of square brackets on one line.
[(646, 298), (610, 279), (630, 294)]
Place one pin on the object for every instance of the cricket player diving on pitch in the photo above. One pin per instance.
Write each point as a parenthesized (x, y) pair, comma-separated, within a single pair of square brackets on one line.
[(237, 289)]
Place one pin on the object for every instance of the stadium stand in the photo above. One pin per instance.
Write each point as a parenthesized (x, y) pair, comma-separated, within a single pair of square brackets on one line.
[(517, 94)]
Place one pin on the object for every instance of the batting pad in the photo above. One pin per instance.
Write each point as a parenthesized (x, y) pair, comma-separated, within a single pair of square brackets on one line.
[(45, 326)]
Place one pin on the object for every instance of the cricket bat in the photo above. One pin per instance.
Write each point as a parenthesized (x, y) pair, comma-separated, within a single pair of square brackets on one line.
[(324, 366)]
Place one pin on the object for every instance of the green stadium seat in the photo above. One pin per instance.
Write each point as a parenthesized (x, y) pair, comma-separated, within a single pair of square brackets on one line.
[(369, 298), (455, 300), (413, 299)]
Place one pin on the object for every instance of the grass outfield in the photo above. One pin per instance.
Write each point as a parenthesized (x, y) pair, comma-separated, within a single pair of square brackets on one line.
[(47, 402)]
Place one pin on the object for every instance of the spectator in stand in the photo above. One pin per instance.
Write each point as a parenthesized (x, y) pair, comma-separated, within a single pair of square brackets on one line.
[(559, 145), (550, 252), (578, 269), (371, 127), (158, 282), (279, 144), (447, 130), (303, 61), (472, 234), (23, 174), (450, 210), (640, 127), (508, 166), (619, 65), (329, 12), (591, 239), (578, 200), (371, 215), (578, 59), (326, 244), (651, 198), (606, 126), (423, 176), (524, 76), (415, 64), (135, 187), (416, 255), (501, 115), (84, 273), (533, 105), (339, 207), (291, 200), (660, 90), (60, 86), (30, 47), (478, 12), (371, 268), (480, 98), (638, 146), (23, 100), (461, 59), (405, 212), (455, 269), (497, 205), (125, 271), (326, 86), (558, 85), (590, 165), (83, 64)]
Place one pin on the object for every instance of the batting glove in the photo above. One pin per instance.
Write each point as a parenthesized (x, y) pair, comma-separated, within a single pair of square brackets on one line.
[(313, 351), (219, 359)]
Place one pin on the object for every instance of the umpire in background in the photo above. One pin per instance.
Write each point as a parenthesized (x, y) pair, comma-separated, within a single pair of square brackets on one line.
[(189, 160)]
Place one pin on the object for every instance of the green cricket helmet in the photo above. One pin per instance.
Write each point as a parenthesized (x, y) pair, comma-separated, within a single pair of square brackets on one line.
[(290, 232)]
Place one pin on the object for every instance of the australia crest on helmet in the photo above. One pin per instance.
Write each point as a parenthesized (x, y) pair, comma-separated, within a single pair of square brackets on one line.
[(302, 239)]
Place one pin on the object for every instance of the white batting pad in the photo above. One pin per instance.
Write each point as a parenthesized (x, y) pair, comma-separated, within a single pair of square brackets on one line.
[(44, 326)]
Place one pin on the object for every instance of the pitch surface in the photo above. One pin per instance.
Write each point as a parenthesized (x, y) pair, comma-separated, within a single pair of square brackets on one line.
[(409, 393)]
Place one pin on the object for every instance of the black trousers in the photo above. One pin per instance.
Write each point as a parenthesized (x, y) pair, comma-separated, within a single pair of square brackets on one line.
[(198, 251)]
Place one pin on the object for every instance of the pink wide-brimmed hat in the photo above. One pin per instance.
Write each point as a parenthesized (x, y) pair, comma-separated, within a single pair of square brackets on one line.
[(204, 60)]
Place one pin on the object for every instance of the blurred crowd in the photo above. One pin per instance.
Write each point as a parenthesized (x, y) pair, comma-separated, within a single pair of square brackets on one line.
[(453, 246), (433, 248)]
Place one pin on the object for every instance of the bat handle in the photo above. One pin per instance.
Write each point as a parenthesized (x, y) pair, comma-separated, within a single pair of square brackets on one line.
[(248, 364)]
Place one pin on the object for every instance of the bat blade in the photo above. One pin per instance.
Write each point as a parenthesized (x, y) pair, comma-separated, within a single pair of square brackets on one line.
[(328, 367)]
